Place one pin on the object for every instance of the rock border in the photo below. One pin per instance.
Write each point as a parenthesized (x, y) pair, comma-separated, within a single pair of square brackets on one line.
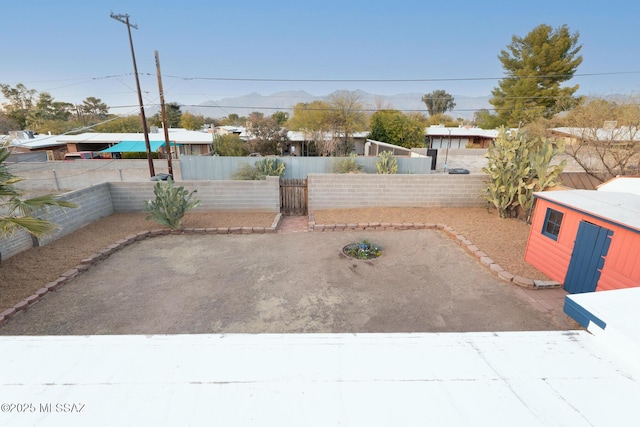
[(461, 240)]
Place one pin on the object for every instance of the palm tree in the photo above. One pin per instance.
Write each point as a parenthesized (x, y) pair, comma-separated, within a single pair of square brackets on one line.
[(16, 213)]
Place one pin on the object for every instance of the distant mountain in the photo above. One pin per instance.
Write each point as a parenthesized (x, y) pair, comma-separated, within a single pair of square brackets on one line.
[(284, 101)]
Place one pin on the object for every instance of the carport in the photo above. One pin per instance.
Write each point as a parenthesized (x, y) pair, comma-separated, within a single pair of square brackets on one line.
[(135, 147)]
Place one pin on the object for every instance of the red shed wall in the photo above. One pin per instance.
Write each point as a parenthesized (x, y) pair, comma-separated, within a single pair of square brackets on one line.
[(547, 255), (622, 264)]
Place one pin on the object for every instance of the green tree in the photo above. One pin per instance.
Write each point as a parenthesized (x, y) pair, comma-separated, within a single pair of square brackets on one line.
[(46, 109), (121, 125), (346, 117), (172, 113), (484, 119), (393, 127), (94, 109), (7, 124), (20, 100), (535, 68), (233, 120), (229, 145), (517, 166), (18, 213), (265, 136), (191, 122), (438, 102), (314, 121), (280, 117)]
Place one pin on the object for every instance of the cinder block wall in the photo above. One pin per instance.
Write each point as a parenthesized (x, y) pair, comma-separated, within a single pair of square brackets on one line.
[(14, 244), (93, 203), (342, 191), (75, 175), (258, 196)]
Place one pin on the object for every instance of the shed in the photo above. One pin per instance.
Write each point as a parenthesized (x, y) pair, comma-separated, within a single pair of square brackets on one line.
[(587, 239)]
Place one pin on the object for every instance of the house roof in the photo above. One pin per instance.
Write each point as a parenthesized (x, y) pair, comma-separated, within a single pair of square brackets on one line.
[(616, 207), (179, 136), (30, 141), (623, 133), (622, 184), (299, 136), (460, 132)]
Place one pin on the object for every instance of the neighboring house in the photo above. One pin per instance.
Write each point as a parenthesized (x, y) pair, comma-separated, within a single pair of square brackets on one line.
[(227, 130), (439, 136), (609, 134), (588, 240), (305, 146), (21, 142), (187, 142)]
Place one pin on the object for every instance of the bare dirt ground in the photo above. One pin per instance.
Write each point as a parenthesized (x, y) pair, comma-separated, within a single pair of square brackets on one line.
[(23, 274)]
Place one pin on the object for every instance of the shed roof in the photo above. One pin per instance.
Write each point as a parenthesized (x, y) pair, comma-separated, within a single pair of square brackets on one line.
[(619, 208)]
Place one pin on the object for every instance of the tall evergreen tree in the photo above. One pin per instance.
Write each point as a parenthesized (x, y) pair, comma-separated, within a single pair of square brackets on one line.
[(536, 66)]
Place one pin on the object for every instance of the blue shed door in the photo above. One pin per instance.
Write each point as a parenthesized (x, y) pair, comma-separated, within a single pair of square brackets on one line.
[(590, 249)]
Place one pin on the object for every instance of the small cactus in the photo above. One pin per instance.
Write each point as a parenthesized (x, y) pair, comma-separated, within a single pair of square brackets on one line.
[(170, 204), (387, 163)]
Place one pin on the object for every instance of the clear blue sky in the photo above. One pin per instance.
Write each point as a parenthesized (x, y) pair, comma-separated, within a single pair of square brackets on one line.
[(73, 49)]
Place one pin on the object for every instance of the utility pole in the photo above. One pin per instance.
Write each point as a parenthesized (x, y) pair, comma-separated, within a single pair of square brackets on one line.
[(164, 117), (125, 20)]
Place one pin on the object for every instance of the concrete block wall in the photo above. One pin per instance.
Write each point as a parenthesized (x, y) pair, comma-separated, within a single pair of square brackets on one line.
[(14, 244), (259, 196), (342, 191), (92, 203), (73, 175)]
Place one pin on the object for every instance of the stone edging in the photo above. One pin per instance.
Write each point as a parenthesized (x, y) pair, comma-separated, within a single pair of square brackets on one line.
[(461, 240), (87, 263)]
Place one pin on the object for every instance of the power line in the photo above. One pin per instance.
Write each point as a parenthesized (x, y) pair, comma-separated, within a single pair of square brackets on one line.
[(450, 79), (285, 80)]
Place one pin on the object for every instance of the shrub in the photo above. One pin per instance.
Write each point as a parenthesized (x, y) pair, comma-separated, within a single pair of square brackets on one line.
[(247, 172), (387, 163), (270, 167), (346, 165), (154, 155), (261, 170), (170, 204)]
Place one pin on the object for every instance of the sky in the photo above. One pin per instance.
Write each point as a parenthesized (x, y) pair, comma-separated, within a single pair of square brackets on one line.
[(209, 50)]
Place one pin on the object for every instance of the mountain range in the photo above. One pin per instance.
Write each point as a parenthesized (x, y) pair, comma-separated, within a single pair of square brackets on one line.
[(285, 100)]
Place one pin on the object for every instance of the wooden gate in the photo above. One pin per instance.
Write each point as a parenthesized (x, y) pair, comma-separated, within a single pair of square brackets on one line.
[(293, 196)]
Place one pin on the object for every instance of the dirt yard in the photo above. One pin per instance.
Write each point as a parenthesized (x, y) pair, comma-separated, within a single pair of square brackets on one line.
[(23, 274)]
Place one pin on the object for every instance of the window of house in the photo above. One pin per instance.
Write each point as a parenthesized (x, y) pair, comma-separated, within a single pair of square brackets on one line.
[(552, 223)]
